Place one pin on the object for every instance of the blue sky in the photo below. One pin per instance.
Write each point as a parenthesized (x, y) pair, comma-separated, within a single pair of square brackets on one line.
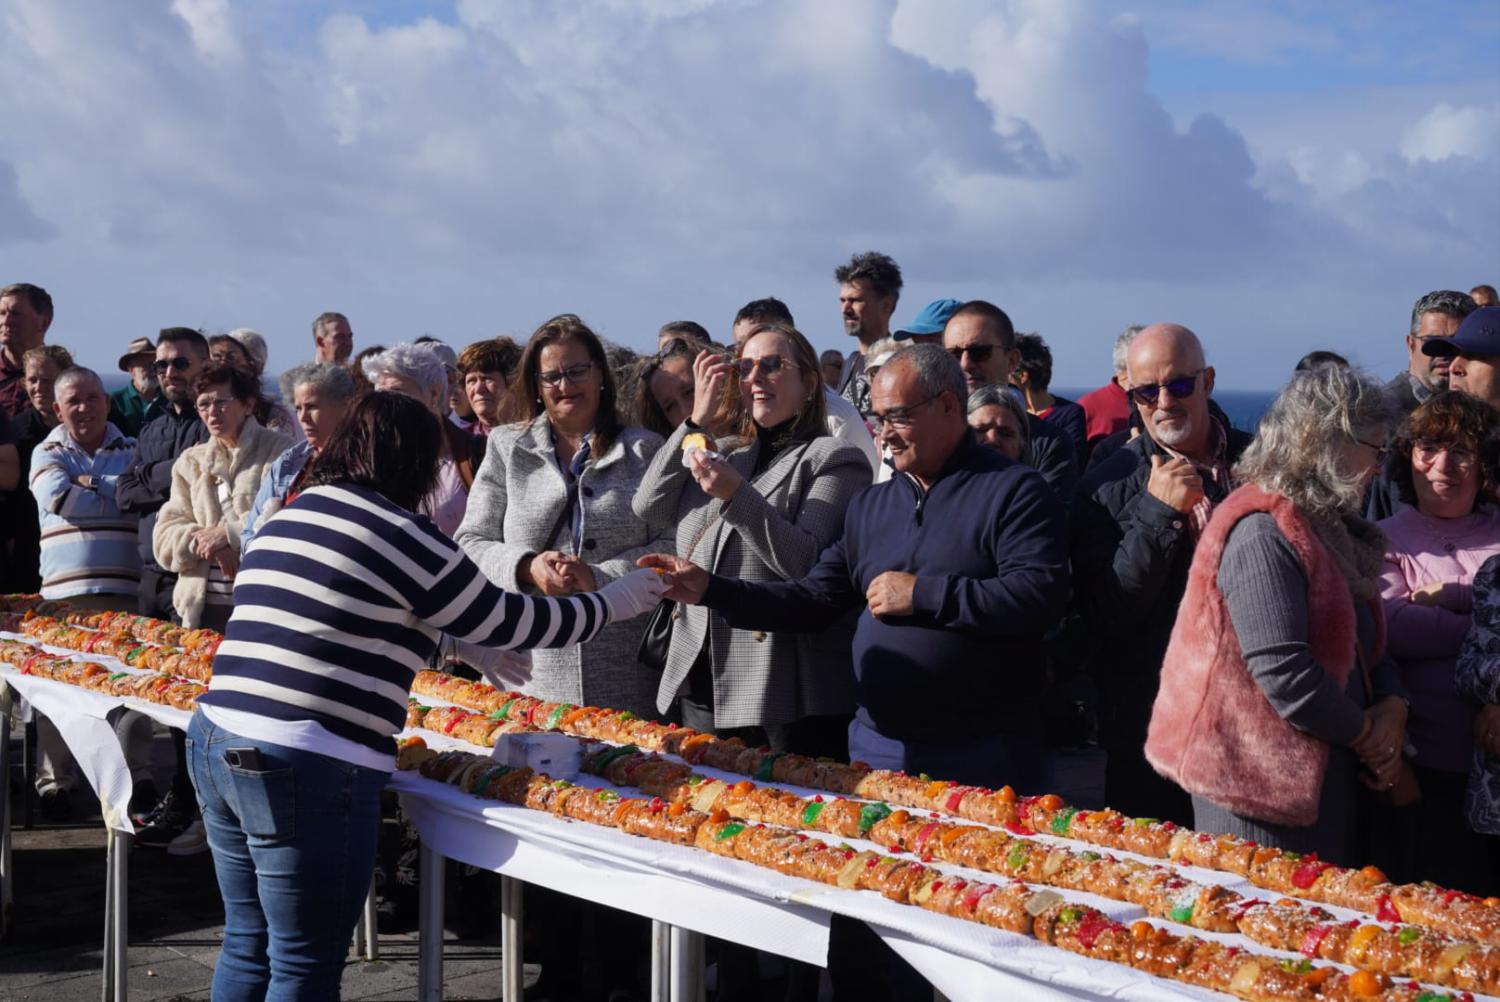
[(1279, 176)]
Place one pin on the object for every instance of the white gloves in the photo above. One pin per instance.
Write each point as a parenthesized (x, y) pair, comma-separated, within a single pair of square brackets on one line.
[(502, 669), (633, 594)]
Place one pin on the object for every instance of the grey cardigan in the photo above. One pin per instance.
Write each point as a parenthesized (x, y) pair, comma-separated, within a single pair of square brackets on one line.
[(517, 496), (773, 529)]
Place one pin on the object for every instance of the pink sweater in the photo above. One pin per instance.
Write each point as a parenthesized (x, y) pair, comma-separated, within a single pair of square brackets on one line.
[(1425, 639)]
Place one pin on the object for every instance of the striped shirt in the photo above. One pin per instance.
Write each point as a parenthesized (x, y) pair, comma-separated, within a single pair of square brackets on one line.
[(88, 546), (341, 601)]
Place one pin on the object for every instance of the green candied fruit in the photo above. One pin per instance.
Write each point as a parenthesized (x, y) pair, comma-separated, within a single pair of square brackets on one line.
[(555, 717), (504, 709), (924, 777), (1143, 822), (602, 761), (119, 675), (1296, 966), (1408, 935), (1433, 997), (1069, 915), (728, 831), (767, 762), (1293, 856), (870, 814), (625, 716), (696, 780), (810, 813), (1089, 856), (1064, 817), (1182, 913), (1017, 857)]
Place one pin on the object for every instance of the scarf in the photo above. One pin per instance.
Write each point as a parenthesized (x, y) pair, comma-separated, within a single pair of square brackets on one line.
[(1358, 549)]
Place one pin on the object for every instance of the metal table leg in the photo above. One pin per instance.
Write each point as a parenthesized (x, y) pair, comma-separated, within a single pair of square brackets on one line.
[(661, 961), (116, 919), (430, 925), (687, 966), (370, 925), (512, 917)]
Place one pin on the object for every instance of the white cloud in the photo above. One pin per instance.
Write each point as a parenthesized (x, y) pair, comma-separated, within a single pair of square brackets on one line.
[(1446, 131)]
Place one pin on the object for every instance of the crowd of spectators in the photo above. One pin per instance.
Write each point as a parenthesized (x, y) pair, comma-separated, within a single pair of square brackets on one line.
[(916, 556)]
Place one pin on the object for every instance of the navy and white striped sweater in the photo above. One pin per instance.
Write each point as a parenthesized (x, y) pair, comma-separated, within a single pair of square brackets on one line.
[(341, 601)]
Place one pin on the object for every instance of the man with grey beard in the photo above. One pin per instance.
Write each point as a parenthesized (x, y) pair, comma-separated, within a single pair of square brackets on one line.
[(1435, 315), (1136, 518)]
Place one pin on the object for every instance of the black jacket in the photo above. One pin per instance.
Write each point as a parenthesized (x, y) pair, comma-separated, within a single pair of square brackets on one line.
[(145, 486), (1131, 555), (1051, 454)]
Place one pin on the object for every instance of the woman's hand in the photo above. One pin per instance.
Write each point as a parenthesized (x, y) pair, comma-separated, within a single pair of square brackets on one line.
[(578, 575), (1379, 746), (228, 561), (207, 542), (545, 573), (1436, 593), (717, 478), (686, 581), (711, 374)]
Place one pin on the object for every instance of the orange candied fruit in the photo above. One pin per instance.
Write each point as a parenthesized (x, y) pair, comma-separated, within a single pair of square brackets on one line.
[(1492, 902), (935, 789), (1050, 802), (719, 816), (953, 832), (1319, 975), (1140, 930), (900, 817), (1374, 873), (676, 810), (1366, 983), (1006, 794), (744, 786)]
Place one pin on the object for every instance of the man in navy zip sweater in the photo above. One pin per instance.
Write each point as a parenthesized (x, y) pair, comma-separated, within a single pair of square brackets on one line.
[(962, 561)]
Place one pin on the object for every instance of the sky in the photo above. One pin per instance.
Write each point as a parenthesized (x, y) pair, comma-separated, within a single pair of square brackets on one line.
[(1276, 176)]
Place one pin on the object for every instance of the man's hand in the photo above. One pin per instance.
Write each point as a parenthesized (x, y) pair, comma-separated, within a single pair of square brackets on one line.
[(686, 581), (1175, 483), (1487, 730), (717, 478), (890, 594)]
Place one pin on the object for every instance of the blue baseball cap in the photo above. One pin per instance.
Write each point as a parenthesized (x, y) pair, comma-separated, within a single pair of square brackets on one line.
[(1479, 334), (932, 319)]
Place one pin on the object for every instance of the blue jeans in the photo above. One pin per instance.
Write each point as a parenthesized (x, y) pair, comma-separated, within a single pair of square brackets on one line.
[(293, 843)]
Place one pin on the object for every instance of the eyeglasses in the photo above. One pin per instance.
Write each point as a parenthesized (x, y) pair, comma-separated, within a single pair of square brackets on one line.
[(178, 364), (900, 417), (215, 403), (573, 374), (1428, 452), (1380, 450), (980, 353), (769, 365), (1179, 388)]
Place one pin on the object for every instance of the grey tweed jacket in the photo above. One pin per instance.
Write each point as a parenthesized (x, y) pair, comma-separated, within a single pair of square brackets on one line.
[(517, 496), (773, 529)]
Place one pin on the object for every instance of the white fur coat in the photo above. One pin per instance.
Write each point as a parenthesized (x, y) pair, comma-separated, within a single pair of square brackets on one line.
[(194, 504)]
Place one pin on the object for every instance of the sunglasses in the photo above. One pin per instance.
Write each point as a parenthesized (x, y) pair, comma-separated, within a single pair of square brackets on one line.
[(769, 365), (1178, 389), (178, 364), (1428, 452), (573, 374), (980, 353)]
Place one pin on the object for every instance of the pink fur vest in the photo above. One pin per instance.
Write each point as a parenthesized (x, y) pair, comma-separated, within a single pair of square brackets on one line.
[(1212, 730)]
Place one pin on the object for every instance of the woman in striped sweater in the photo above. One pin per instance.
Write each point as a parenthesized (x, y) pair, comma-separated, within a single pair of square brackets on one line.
[(336, 607)]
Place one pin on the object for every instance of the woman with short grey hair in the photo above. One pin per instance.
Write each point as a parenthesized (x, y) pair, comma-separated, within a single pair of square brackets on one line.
[(419, 371), (1267, 720), (320, 393)]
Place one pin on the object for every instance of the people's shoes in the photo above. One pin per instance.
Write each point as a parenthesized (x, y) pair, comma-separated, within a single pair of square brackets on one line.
[(56, 805), (143, 799), (192, 841), (393, 917), (163, 829), (148, 814)]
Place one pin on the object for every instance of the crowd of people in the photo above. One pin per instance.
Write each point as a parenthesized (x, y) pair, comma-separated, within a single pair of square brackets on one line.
[(915, 555)]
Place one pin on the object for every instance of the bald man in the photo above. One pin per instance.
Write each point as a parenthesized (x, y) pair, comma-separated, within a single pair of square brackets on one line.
[(1136, 517)]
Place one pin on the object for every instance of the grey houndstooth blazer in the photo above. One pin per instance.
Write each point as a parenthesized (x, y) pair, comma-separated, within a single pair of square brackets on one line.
[(517, 496), (773, 529)]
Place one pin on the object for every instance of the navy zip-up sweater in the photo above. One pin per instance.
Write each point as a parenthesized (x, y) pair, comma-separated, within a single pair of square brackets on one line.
[(988, 546)]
